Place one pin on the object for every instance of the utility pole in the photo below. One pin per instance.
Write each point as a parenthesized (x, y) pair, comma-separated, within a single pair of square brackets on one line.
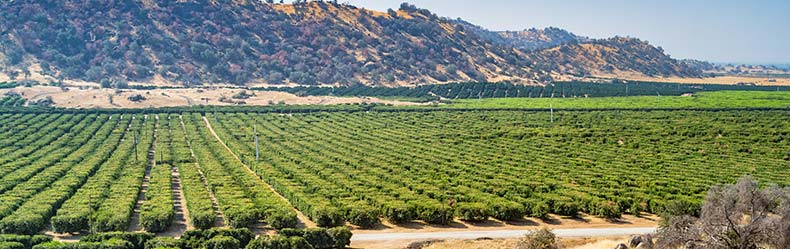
[(658, 99), (135, 145), (257, 152)]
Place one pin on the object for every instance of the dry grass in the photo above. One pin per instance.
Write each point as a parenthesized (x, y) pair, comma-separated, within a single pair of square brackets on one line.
[(476, 244), (72, 97)]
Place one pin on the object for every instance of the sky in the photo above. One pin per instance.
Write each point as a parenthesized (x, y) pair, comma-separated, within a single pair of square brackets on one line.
[(731, 31)]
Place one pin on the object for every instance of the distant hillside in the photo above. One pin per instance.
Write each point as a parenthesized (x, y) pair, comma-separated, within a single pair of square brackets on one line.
[(612, 56), (535, 39), (557, 50), (528, 39), (243, 42)]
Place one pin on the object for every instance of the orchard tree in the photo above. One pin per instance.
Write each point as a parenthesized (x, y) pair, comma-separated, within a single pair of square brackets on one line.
[(739, 216)]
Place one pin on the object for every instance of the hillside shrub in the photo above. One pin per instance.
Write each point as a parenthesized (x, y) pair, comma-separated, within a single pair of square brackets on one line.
[(540, 239)]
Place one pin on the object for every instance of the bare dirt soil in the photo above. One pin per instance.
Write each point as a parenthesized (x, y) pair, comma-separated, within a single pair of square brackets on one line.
[(73, 97), (569, 243), (554, 222)]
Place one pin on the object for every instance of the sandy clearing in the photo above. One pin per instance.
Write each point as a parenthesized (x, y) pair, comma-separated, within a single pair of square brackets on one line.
[(72, 97)]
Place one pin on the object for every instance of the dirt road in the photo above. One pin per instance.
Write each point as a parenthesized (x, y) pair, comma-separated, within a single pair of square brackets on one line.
[(572, 232), (400, 240)]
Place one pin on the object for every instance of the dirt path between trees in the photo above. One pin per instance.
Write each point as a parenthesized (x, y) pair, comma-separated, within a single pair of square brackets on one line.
[(181, 222), (134, 221), (220, 222), (302, 218)]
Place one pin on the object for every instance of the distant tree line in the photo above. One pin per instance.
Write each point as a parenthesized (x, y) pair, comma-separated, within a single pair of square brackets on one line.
[(473, 90)]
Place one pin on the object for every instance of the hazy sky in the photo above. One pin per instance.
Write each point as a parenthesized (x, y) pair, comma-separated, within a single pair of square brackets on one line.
[(747, 31)]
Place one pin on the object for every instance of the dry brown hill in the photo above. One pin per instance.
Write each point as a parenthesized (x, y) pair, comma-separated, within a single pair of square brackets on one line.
[(245, 42)]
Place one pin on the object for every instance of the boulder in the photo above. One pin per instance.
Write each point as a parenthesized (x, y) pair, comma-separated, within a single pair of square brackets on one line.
[(635, 241), (423, 244)]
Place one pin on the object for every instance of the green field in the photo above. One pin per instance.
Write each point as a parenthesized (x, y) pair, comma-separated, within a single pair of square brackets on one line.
[(506, 164), (722, 99), (83, 171)]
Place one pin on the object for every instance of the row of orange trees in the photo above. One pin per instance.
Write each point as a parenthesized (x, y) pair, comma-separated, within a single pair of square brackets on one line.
[(158, 209), (35, 200), (474, 165), (202, 214), (242, 197), (114, 213), (75, 213)]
